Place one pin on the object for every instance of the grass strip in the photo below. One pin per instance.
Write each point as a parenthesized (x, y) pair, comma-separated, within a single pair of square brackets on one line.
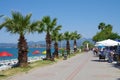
[(10, 72)]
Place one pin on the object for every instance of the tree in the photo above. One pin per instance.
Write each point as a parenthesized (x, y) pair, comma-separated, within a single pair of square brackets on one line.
[(114, 36), (101, 26), (49, 26), (108, 28), (55, 38), (67, 37), (74, 37), (100, 36), (105, 33), (21, 25)]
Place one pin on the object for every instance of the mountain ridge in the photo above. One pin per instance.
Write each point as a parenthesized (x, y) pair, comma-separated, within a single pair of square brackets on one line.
[(43, 43)]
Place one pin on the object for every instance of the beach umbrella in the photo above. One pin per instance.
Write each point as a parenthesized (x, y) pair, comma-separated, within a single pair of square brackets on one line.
[(36, 52), (5, 53), (108, 42), (44, 52)]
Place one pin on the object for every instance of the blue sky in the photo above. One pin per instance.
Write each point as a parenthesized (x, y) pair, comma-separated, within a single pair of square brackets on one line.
[(82, 16)]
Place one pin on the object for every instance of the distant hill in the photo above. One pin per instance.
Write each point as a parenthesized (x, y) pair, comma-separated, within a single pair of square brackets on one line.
[(8, 45), (43, 43), (86, 39), (36, 44), (79, 42)]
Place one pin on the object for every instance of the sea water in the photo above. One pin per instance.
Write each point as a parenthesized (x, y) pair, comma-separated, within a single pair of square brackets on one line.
[(14, 51)]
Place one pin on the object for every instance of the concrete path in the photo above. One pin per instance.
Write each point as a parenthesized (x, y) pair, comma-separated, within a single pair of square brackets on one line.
[(81, 67)]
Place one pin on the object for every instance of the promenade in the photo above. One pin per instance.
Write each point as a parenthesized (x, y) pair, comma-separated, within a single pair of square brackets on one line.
[(84, 66)]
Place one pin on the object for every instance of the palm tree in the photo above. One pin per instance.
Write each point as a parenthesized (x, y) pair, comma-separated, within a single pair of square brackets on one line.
[(20, 24), (101, 26), (108, 28), (55, 37), (67, 37), (49, 26), (75, 36)]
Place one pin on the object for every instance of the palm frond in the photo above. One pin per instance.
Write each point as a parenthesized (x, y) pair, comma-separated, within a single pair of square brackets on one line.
[(61, 37), (46, 20), (67, 35), (58, 28), (40, 28), (26, 20), (54, 21), (32, 27)]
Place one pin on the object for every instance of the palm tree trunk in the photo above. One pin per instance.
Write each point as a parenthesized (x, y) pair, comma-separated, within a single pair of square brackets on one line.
[(22, 52), (56, 50), (75, 46), (68, 47), (48, 46)]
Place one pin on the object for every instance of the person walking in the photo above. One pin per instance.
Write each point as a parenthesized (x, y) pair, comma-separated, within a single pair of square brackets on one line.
[(110, 56)]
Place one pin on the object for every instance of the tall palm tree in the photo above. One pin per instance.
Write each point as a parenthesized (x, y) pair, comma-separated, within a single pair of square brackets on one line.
[(49, 26), (20, 24), (101, 26), (75, 36), (55, 37), (67, 37)]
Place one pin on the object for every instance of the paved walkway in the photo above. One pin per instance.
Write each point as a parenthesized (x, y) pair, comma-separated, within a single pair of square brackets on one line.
[(81, 67)]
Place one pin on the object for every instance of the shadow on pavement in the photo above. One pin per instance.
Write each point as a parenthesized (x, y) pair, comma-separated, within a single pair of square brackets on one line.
[(116, 66), (112, 64), (95, 60), (118, 79), (99, 60)]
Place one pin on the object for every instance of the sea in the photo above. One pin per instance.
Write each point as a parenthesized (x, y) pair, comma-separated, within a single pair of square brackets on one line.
[(14, 51)]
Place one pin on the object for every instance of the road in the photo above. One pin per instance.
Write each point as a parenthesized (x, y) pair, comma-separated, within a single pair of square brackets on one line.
[(83, 66)]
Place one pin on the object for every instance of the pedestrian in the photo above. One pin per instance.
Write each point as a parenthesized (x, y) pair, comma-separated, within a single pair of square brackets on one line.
[(110, 56)]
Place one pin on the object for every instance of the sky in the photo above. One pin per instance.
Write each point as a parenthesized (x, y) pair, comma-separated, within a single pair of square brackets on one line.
[(82, 16)]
